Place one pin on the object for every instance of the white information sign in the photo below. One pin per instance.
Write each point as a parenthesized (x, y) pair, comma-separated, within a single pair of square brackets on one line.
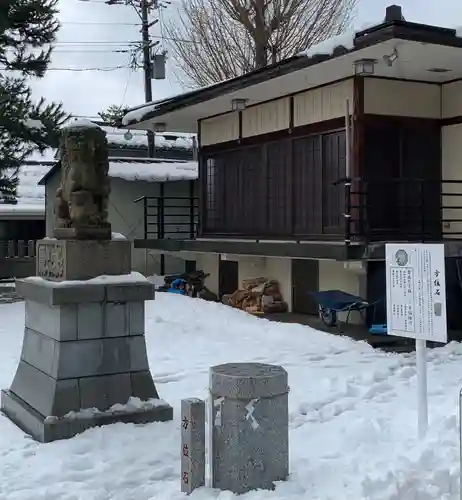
[(416, 291)]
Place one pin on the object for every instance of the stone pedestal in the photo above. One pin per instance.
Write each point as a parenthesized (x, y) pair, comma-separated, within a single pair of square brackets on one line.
[(250, 426), (60, 260), (84, 352)]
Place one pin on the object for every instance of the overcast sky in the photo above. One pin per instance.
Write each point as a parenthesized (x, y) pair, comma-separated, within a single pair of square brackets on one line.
[(91, 32)]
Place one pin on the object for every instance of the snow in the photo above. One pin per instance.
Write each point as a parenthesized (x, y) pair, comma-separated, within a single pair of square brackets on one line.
[(30, 196), (80, 123), (352, 414), (132, 278), (132, 405), (138, 113), (347, 39), (34, 124), (157, 280), (118, 236), (151, 172), (327, 46)]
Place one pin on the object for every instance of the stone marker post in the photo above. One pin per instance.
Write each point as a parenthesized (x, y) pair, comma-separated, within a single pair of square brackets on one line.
[(192, 444), (250, 433), (83, 360)]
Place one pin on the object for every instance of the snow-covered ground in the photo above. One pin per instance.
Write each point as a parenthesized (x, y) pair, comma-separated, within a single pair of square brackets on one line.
[(352, 415)]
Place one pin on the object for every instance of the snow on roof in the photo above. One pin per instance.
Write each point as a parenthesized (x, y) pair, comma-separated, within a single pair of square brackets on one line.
[(30, 196), (152, 172), (80, 123), (137, 113), (330, 44), (346, 40), (137, 138), (49, 155)]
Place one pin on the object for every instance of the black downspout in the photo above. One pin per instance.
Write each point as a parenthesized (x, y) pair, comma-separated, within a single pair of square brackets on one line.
[(160, 208), (192, 224)]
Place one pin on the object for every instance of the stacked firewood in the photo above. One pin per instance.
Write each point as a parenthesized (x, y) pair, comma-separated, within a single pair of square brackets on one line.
[(257, 296)]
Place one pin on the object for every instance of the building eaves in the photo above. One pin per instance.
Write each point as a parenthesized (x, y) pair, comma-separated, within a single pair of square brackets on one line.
[(371, 36)]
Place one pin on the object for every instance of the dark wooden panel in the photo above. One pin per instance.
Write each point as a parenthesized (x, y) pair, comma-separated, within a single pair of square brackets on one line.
[(228, 277), (251, 201), (305, 279), (381, 161), (333, 169), (278, 189), (307, 188), (399, 153), (421, 159), (233, 193)]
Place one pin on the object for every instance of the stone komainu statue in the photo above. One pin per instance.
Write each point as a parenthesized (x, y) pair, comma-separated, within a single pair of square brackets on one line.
[(82, 197)]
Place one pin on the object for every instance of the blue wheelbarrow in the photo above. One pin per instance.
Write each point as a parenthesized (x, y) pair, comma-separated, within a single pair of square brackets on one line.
[(332, 302)]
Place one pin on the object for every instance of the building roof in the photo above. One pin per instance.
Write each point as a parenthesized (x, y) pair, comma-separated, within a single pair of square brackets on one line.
[(30, 196), (138, 139), (423, 47), (142, 169)]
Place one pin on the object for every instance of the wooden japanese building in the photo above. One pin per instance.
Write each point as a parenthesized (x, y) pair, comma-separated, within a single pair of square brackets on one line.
[(309, 166)]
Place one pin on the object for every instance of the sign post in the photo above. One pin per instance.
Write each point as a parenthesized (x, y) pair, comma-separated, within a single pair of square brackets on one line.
[(416, 305)]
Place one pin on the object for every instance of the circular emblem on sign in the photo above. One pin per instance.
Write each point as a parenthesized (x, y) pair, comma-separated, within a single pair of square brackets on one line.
[(401, 257)]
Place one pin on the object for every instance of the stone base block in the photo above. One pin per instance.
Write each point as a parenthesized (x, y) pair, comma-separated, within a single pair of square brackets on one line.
[(45, 429), (66, 260), (120, 289)]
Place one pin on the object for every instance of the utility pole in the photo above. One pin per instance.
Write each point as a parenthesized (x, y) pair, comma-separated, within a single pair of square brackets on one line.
[(147, 68), (142, 9)]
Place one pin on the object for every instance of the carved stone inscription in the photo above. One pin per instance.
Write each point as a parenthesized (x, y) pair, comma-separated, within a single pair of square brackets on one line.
[(50, 260)]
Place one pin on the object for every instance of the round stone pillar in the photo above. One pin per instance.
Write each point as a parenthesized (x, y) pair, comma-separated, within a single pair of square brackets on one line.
[(250, 426)]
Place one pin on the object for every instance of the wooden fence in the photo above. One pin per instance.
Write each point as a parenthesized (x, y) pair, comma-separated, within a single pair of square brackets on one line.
[(17, 258)]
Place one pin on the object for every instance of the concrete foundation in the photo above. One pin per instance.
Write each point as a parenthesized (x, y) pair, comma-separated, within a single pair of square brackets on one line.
[(83, 348)]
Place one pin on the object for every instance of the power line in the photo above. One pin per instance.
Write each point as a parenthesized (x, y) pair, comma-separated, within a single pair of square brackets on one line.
[(91, 51), (97, 23), (106, 69), (120, 42), (98, 42), (103, 69)]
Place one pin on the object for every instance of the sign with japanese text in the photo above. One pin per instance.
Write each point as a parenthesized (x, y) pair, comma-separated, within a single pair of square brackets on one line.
[(416, 291)]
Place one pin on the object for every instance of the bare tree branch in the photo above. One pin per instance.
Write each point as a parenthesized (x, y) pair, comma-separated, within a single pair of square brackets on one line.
[(214, 40)]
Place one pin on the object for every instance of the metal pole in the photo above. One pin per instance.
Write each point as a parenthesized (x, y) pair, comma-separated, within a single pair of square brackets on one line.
[(460, 444), (347, 139), (422, 394), (347, 186), (147, 68)]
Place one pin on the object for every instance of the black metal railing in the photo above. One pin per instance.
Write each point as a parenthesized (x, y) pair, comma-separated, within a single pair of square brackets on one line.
[(401, 209), (170, 217)]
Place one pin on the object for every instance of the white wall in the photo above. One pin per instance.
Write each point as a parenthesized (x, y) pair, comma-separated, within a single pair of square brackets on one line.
[(209, 263), (315, 105), (452, 100), (127, 217), (451, 145), (400, 98)]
